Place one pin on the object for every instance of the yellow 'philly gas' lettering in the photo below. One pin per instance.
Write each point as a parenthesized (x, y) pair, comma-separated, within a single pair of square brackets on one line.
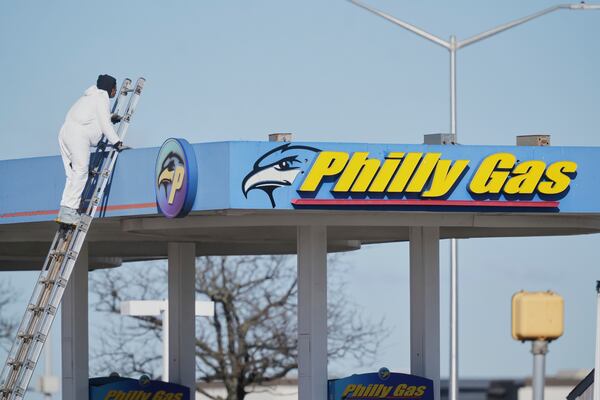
[(420, 391), (423, 172), (492, 173), (358, 174), (347, 390), (406, 170), (426, 174), (390, 165), (328, 163), (445, 176), (400, 389), (162, 395), (558, 180), (386, 391), (527, 175)]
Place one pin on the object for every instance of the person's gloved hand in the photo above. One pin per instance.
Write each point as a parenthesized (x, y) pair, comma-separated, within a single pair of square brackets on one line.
[(115, 118), (119, 146)]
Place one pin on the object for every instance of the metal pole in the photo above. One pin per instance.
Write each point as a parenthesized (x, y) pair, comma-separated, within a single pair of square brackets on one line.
[(165, 337), (47, 364), (539, 348), (453, 84), (596, 391), (453, 382)]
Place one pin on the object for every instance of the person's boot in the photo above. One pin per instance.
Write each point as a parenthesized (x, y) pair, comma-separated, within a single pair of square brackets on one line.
[(68, 216)]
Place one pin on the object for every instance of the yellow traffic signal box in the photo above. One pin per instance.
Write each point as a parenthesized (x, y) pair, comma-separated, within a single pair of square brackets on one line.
[(537, 316)]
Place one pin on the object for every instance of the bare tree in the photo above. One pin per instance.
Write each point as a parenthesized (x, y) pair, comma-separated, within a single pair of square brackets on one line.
[(252, 338), (8, 324)]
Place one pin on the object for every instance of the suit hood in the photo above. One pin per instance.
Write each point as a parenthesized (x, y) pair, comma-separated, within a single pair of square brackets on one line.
[(93, 90)]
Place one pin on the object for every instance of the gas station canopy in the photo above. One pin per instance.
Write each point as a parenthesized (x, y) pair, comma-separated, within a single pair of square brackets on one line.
[(250, 197)]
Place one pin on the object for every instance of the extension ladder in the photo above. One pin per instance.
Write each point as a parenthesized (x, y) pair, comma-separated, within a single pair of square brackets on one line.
[(47, 294)]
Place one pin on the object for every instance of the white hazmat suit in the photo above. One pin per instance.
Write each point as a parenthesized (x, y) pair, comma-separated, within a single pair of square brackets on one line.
[(84, 125)]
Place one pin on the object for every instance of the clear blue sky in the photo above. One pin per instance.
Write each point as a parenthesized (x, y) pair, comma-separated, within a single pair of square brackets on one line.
[(329, 71)]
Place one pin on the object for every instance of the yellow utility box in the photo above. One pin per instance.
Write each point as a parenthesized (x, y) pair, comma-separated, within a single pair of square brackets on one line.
[(537, 316)]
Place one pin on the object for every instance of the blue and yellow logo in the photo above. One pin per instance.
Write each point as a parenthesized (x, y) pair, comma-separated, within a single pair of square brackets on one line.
[(176, 178)]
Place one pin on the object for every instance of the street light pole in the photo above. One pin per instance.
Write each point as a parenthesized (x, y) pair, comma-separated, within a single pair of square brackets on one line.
[(453, 46), (539, 349), (596, 395)]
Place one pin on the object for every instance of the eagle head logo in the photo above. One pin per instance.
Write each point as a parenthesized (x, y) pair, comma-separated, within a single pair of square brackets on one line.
[(277, 168), (171, 175)]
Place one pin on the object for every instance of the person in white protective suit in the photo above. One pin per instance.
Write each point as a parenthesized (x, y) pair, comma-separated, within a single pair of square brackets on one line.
[(84, 125)]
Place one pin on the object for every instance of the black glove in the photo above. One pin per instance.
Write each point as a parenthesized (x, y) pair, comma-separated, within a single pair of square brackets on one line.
[(119, 146), (115, 118)]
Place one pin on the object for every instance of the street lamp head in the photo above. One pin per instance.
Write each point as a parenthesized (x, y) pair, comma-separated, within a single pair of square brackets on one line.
[(584, 6)]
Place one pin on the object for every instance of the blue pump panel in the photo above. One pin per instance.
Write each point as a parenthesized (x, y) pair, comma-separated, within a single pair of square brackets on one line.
[(118, 388), (381, 385)]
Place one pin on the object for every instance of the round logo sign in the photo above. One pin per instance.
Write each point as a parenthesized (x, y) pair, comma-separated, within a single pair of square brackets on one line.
[(383, 373), (176, 178)]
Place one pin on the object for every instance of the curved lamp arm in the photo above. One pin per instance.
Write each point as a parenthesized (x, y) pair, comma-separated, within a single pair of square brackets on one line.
[(404, 25)]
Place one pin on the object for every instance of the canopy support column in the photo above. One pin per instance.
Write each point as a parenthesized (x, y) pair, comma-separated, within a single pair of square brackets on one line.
[(312, 312), (182, 315), (74, 332), (425, 304)]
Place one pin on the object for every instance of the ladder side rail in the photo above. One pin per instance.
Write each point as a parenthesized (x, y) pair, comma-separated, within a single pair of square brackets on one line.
[(38, 311), (28, 316), (123, 91), (96, 162), (19, 361), (36, 289), (45, 324), (62, 272)]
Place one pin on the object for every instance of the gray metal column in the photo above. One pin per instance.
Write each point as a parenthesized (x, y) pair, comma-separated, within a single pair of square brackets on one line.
[(312, 312), (425, 304), (182, 315), (539, 349), (74, 332)]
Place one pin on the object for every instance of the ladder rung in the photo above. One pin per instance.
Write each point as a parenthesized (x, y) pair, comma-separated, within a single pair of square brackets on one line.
[(84, 223), (34, 308), (40, 337), (45, 281), (96, 200), (14, 363), (51, 310), (20, 392), (29, 364), (23, 335), (72, 254), (56, 253), (62, 282), (106, 173)]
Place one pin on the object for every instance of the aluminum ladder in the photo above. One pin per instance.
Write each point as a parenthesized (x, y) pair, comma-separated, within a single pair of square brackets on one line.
[(54, 277)]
